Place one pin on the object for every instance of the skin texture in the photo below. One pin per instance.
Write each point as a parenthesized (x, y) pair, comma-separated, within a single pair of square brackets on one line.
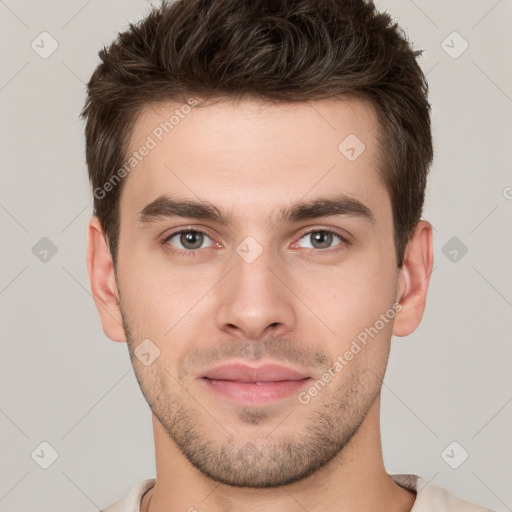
[(298, 303)]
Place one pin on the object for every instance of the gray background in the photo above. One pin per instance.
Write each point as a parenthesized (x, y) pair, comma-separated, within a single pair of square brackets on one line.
[(64, 383)]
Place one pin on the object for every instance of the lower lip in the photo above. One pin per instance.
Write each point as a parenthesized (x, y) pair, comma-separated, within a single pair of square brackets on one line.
[(254, 394)]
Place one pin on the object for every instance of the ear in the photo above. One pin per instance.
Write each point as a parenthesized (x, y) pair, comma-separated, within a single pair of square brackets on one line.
[(413, 280), (103, 281)]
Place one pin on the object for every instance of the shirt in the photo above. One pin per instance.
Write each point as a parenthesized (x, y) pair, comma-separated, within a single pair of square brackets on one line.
[(429, 498)]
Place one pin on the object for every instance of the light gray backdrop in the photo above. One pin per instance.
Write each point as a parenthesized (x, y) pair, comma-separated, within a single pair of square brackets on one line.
[(64, 384)]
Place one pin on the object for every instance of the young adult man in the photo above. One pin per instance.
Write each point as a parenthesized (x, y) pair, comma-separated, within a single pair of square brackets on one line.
[(258, 169)]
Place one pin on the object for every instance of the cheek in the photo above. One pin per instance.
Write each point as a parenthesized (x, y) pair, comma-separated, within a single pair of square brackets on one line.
[(360, 278), (350, 297), (158, 295)]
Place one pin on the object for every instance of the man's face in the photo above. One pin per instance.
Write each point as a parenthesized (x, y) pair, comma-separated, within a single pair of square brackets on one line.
[(256, 288)]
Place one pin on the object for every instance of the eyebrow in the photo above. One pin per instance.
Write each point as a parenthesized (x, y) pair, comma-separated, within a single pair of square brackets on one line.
[(165, 207)]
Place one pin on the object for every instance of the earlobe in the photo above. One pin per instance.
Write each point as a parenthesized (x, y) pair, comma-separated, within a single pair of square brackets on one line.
[(103, 282), (414, 279)]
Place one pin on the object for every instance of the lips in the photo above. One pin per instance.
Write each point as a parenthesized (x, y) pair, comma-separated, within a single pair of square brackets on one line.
[(250, 386), (244, 373)]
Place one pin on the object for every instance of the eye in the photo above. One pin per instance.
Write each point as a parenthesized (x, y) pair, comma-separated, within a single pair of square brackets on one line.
[(188, 240), (322, 239)]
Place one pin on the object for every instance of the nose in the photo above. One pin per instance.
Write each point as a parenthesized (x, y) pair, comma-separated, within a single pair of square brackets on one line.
[(255, 299)]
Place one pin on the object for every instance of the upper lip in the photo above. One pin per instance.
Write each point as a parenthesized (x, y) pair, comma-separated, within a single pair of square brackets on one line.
[(244, 373)]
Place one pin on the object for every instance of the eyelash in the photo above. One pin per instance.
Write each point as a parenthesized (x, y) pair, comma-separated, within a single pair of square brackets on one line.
[(344, 242)]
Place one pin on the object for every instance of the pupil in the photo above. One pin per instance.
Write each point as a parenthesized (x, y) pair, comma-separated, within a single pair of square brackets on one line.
[(191, 238), (321, 235)]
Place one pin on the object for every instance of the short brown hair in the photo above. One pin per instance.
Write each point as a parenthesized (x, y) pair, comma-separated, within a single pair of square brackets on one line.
[(273, 50)]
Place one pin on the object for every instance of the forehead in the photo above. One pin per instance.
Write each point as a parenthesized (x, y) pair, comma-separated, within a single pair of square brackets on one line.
[(249, 156)]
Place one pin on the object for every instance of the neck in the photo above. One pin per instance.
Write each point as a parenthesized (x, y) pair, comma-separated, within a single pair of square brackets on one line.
[(354, 480)]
